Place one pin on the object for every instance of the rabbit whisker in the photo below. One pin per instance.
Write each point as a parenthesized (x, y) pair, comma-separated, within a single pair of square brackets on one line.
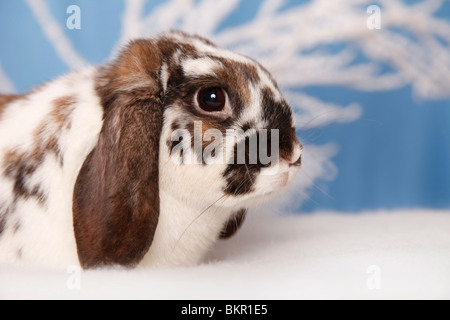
[(192, 222)]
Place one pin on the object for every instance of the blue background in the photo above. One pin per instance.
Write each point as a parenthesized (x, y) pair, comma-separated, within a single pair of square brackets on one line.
[(396, 155)]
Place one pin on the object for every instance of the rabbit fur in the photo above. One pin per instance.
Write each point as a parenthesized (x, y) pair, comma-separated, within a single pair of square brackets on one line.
[(87, 175)]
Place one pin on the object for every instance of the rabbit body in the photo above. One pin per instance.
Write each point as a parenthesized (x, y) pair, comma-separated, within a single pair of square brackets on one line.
[(87, 169), (45, 138)]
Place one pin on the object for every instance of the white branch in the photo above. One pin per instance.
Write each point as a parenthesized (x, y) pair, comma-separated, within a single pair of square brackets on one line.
[(281, 40), (313, 113), (131, 22), (6, 85)]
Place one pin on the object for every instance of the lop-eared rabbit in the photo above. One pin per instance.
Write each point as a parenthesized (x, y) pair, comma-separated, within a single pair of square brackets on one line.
[(96, 166)]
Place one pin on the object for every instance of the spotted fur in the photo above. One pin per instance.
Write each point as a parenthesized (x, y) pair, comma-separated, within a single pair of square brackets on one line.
[(87, 175)]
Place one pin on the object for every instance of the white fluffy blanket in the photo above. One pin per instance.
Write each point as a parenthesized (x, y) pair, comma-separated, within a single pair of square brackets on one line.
[(375, 255)]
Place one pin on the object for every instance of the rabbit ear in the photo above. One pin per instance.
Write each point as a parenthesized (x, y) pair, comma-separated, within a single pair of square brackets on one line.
[(116, 195)]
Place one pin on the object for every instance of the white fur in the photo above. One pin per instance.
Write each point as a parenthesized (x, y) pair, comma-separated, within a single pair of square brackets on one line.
[(201, 66), (44, 234), (193, 207), (164, 75), (252, 111), (190, 221)]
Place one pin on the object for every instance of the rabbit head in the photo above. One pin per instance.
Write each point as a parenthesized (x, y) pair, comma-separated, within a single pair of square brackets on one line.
[(186, 119)]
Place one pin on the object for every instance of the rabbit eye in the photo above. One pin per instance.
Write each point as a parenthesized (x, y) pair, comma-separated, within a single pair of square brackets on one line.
[(211, 99)]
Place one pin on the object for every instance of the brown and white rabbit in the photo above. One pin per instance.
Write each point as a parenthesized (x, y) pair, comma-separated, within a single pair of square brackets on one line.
[(88, 174)]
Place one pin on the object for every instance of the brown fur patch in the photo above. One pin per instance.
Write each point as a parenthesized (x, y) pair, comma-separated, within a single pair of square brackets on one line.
[(16, 227), (47, 134), (63, 108), (2, 223), (238, 75), (233, 225), (20, 166), (279, 116), (132, 74), (4, 214), (116, 195), (169, 47)]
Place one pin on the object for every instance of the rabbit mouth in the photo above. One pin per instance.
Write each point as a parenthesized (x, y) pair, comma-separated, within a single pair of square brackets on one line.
[(252, 181), (264, 179), (279, 181), (265, 188)]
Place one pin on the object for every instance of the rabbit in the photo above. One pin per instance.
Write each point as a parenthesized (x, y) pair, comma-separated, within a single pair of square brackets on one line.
[(103, 167)]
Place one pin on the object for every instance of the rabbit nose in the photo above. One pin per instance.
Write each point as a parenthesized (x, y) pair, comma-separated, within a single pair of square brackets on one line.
[(296, 157)]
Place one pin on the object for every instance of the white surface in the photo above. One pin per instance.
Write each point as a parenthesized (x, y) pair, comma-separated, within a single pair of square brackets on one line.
[(324, 255)]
